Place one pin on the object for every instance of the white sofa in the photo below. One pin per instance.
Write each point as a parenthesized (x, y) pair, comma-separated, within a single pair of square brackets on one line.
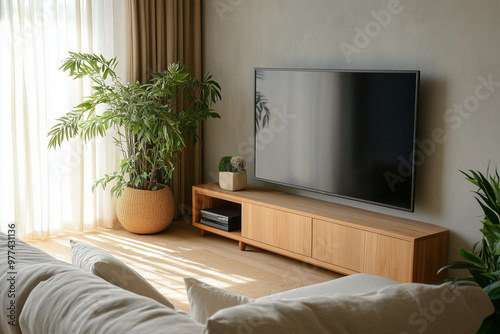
[(98, 294)]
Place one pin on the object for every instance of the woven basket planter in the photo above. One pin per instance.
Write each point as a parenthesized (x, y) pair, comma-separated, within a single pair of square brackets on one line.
[(145, 211)]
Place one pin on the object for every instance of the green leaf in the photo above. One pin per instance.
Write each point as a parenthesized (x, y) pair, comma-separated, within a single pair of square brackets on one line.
[(479, 277), (471, 257), (490, 276), (493, 290), (465, 282), (144, 116), (494, 230), (492, 216), (459, 265)]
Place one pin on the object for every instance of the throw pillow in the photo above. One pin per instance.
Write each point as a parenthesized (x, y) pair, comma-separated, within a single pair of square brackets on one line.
[(205, 299), (403, 309), (108, 267), (79, 302)]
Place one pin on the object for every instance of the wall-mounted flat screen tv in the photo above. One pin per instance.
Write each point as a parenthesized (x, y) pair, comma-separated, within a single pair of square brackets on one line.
[(338, 132)]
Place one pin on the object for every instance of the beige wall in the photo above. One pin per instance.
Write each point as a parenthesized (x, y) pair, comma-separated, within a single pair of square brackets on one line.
[(452, 42)]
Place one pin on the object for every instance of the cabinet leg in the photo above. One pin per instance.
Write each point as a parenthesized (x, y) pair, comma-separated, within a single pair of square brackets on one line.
[(202, 232), (242, 245)]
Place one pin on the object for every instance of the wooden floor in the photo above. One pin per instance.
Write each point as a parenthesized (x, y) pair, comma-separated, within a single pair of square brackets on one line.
[(181, 235)]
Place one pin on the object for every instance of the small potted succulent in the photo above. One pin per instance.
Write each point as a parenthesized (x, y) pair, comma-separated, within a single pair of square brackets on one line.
[(232, 173)]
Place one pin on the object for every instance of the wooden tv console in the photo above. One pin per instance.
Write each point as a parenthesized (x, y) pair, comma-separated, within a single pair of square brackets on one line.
[(332, 236)]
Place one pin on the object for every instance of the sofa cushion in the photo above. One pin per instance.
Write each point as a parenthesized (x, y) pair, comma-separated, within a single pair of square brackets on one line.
[(205, 299), (348, 285), (30, 267), (79, 302), (403, 308), (108, 267)]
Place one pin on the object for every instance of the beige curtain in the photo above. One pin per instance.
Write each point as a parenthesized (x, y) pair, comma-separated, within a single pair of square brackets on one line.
[(45, 192), (164, 32)]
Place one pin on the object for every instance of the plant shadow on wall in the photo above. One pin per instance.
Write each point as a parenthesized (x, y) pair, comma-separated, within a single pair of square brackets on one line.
[(483, 262), (262, 112), (151, 123)]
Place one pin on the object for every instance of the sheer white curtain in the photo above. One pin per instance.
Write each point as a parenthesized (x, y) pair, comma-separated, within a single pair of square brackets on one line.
[(44, 192)]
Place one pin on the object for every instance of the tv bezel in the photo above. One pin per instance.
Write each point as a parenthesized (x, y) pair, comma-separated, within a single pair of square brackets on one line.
[(411, 208)]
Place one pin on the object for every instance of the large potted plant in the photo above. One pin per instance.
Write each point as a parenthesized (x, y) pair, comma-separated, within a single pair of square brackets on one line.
[(483, 262), (150, 122)]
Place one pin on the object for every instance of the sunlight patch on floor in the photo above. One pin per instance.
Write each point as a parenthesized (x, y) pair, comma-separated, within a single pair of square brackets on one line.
[(165, 262)]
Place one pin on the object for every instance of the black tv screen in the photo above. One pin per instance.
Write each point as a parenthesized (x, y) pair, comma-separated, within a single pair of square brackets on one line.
[(345, 133)]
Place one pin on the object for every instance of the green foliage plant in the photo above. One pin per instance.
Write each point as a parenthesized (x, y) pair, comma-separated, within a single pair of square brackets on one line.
[(225, 164), (232, 164), (483, 263), (238, 164), (151, 122)]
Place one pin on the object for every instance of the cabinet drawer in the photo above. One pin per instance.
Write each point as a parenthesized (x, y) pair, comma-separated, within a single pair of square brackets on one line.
[(362, 251), (277, 228)]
